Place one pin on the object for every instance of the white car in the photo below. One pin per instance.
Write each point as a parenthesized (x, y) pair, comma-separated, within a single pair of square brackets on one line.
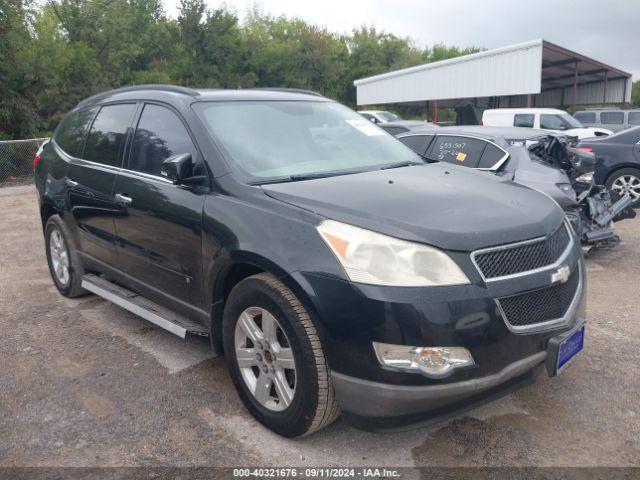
[(379, 116), (557, 121)]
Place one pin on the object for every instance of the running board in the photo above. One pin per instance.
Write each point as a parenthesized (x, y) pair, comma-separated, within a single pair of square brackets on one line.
[(142, 306)]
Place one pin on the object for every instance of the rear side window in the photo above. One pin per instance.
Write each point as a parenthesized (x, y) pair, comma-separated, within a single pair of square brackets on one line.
[(160, 134), (107, 136), (417, 143), (523, 120), (491, 156), (612, 118), (634, 118), (460, 150), (586, 117), (72, 131)]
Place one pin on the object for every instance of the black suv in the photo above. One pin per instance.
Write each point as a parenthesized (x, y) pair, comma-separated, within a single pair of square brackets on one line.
[(335, 268)]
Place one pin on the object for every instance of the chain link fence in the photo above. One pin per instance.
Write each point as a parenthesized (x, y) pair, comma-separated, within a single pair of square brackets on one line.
[(16, 160)]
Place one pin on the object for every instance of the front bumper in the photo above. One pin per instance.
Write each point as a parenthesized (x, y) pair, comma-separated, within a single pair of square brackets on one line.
[(372, 399)]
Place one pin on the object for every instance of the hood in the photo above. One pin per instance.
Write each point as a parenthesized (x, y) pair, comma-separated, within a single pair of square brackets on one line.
[(586, 132), (451, 207)]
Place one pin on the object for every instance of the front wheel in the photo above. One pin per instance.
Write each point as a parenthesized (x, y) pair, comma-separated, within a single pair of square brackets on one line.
[(626, 180), (275, 358)]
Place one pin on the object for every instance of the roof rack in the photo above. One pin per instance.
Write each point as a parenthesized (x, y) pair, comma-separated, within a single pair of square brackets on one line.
[(167, 88), (290, 90)]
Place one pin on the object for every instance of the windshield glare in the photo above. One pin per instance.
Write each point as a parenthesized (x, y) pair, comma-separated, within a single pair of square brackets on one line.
[(276, 139)]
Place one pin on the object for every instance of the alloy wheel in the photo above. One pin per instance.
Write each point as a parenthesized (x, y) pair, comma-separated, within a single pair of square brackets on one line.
[(59, 257), (627, 184), (265, 358)]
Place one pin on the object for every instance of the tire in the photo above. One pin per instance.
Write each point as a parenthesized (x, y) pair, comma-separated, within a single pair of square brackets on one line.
[(63, 247), (308, 402), (625, 176)]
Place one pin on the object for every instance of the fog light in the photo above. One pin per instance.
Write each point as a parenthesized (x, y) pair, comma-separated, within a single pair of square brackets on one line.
[(433, 362)]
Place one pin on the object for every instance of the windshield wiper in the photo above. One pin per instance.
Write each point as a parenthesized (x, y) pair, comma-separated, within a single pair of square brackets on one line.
[(300, 177), (407, 163)]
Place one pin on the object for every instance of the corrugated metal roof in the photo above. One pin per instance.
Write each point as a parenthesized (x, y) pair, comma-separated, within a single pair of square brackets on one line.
[(536, 67)]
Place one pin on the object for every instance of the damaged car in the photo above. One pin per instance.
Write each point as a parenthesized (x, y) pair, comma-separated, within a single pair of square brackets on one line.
[(545, 162)]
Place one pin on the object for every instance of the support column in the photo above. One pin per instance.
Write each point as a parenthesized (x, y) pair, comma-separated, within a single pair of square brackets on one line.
[(435, 113), (575, 84), (529, 105), (604, 93)]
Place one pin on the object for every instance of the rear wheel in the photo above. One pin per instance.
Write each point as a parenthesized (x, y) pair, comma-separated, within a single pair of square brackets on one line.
[(626, 180), (275, 358), (62, 256)]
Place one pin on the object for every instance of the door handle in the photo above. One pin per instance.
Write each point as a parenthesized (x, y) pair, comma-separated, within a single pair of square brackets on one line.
[(123, 200), (71, 183)]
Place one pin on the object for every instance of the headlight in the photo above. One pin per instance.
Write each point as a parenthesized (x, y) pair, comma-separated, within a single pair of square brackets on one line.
[(434, 362), (585, 178), (376, 259), (567, 189)]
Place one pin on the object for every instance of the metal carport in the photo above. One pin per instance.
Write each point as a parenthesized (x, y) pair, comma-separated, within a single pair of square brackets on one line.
[(531, 74)]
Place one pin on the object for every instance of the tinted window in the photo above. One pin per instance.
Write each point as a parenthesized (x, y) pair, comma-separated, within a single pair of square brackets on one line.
[(417, 143), (490, 156), (72, 131), (612, 118), (523, 120), (160, 134), (460, 150), (394, 130), (634, 118), (108, 133), (586, 117)]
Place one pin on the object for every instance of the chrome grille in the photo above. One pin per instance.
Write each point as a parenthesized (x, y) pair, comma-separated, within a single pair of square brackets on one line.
[(542, 305), (523, 257)]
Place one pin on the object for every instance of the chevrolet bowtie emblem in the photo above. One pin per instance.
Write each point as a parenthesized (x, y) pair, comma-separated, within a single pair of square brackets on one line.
[(561, 275)]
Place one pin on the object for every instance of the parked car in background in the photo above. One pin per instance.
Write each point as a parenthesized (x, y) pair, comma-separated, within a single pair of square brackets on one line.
[(335, 269), (550, 119), (403, 126), (535, 159), (618, 161), (613, 119), (379, 116)]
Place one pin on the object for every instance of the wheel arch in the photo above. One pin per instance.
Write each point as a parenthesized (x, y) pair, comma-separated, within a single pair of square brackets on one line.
[(239, 266), (622, 166), (47, 210)]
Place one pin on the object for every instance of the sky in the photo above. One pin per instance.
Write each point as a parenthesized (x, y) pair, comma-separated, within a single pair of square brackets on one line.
[(606, 30)]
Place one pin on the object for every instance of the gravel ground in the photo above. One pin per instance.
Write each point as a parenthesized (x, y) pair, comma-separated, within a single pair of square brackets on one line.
[(85, 383)]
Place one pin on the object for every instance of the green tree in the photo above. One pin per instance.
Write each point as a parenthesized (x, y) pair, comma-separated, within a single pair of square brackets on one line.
[(635, 94), (286, 52), (54, 54), (17, 112)]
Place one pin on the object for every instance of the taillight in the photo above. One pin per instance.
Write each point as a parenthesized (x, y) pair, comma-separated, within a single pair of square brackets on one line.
[(36, 161), (584, 149)]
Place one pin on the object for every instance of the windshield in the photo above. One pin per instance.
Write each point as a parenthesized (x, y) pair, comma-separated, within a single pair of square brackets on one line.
[(388, 116), (559, 121), (270, 140)]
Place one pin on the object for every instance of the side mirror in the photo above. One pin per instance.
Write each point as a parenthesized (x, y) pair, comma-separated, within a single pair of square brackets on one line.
[(179, 169)]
